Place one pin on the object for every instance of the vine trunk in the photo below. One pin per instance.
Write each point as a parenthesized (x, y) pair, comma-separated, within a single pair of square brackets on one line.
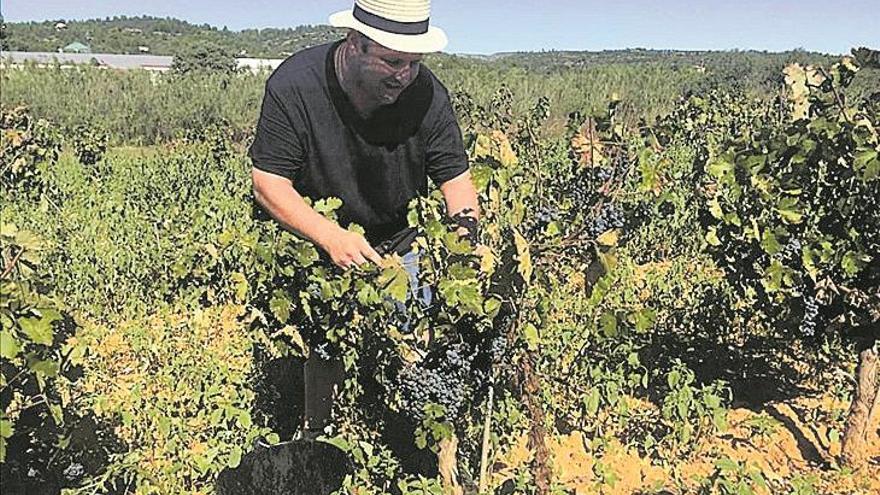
[(863, 411)]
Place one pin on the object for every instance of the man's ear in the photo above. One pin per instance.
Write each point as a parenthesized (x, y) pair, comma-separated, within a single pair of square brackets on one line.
[(356, 39), (361, 41)]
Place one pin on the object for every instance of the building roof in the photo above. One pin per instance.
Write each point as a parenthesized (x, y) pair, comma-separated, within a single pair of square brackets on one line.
[(113, 61), (116, 61), (77, 47)]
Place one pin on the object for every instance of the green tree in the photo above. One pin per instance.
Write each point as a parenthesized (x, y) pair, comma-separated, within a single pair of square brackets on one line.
[(204, 57), (4, 45), (867, 57)]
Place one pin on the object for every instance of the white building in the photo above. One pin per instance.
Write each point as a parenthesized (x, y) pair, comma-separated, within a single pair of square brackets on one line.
[(259, 64), (157, 63)]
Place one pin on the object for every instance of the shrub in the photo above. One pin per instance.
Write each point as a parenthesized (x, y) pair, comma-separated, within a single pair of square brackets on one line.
[(176, 386)]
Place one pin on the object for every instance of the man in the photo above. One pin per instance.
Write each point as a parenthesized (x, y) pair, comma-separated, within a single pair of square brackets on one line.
[(362, 120)]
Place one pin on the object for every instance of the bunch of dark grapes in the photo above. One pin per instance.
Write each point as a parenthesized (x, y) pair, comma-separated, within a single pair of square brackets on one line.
[(791, 251), (74, 471), (544, 216), (581, 191), (498, 348), (811, 315), (617, 169), (622, 164), (323, 350), (610, 217), (490, 352), (601, 174), (639, 213), (443, 378)]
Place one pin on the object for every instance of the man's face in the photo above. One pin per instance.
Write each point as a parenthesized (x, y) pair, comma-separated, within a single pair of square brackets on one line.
[(384, 73)]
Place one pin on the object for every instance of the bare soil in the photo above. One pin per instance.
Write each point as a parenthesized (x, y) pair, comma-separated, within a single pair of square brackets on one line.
[(799, 445)]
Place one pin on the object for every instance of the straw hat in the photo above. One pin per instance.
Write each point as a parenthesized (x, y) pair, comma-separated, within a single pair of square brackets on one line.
[(400, 25)]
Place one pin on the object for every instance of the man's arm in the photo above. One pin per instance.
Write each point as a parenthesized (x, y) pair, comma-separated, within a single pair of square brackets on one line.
[(461, 197), (278, 196)]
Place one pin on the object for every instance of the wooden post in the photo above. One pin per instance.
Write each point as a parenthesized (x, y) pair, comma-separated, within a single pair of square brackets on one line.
[(487, 429)]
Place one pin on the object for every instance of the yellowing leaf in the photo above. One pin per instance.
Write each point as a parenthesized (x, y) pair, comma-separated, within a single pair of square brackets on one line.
[(235, 457), (530, 335), (588, 148), (787, 210), (609, 238), (8, 230), (523, 256), (394, 279), (487, 259), (492, 306), (607, 258), (482, 146), (712, 237), (212, 250), (799, 80), (519, 454), (296, 338), (327, 205), (505, 154), (14, 136)]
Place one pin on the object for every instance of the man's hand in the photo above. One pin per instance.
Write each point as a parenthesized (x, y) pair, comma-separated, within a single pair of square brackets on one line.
[(468, 226), (348, 249)]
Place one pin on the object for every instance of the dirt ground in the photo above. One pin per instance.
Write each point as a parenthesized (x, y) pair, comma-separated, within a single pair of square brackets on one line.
[(790, 443)]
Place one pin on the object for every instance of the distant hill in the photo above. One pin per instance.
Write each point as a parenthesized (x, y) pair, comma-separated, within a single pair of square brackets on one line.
[(158, 36), (561, 60), (167, 36)]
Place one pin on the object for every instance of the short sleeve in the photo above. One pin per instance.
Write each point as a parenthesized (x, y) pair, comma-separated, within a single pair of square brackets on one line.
[(445, 155), (276, 148)]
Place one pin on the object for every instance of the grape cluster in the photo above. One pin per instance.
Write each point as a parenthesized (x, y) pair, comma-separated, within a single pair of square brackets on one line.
[(546, 215), (791, 251), (622, 164), (442, 378), (542, 219), (498, 348), (602, 174), (609, 218), (74, 471), (581, 191), (640, 213), (811, 314), (323, 351)]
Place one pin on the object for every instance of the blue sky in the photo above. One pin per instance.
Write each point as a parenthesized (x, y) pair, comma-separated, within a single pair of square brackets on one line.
[(488, 26)]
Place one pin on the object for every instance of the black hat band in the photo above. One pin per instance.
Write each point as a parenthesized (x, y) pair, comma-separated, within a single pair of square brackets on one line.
[(387, 25)]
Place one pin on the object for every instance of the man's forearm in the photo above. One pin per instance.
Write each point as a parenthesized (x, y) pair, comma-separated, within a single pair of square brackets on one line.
[(278, 196), (461, 196), (281, 200), (462, 205)]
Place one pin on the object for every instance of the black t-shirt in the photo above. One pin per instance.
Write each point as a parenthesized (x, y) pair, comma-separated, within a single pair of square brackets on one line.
[(310, 133)]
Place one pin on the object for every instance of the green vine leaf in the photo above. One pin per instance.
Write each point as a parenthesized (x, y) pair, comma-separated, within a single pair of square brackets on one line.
[(39, 330)]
